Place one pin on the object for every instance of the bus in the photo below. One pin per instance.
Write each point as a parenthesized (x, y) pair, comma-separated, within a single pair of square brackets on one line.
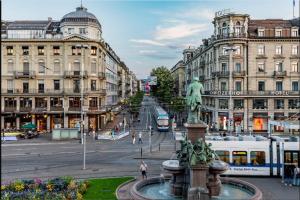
[(161, 119)]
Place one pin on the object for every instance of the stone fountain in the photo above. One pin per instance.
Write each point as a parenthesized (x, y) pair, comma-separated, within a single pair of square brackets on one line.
[(195, 175)]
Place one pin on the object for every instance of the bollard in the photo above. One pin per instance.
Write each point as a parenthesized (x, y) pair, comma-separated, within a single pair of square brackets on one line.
[(141, 153), (159, 147)]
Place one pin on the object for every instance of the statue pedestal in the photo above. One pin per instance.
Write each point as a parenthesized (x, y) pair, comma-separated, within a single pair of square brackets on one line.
[(196, 131), (198, 176)]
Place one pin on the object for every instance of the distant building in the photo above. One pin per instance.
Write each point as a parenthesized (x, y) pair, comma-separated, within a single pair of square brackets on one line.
[(178, 74), (250, 71)]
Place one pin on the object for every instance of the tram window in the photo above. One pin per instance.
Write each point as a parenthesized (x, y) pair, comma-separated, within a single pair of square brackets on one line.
[(258, 158), (287, 157), (295, 158), (223, 155), (239, 157)]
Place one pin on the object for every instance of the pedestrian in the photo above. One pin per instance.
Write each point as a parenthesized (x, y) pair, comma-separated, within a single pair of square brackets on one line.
[(296, 178), (288, 175), (143, 169), (140, 138), (133, 136)]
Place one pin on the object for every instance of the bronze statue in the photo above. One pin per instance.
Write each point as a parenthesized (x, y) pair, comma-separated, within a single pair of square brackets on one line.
[(194, 100)]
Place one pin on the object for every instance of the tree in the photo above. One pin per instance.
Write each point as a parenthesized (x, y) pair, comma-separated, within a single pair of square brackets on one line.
[(163, 89)]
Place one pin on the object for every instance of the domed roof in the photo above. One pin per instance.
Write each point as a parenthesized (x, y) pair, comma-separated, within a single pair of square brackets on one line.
[(80, 15)]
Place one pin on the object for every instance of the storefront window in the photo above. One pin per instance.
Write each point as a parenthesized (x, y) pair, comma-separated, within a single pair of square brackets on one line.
[(223, 155), (74, 102), (10, 102), (25, 102), (239, 158), (238, 104), (260, 104), (40, 102), (258, 158), (56, 102)]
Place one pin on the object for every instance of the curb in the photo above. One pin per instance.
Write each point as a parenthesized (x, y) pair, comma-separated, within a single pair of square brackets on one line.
[(127, 182)]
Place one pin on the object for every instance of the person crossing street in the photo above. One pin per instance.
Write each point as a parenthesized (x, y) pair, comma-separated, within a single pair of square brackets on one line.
[(140, 138)]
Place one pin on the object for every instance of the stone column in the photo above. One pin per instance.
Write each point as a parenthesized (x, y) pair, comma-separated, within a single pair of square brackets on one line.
[(48, 123), (66, 120), (2, 122), (18, 122)]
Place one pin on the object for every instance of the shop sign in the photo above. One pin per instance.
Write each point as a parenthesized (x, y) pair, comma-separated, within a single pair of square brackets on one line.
[(279, 93), (220, 92)]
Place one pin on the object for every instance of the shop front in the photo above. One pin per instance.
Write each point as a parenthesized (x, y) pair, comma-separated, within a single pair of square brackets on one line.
[(25, 118), (56, 121), (93, 122), (10, 121), (278, 117), (260, 122), (223, 121), (74, 120), (41, 122), (238, 119)]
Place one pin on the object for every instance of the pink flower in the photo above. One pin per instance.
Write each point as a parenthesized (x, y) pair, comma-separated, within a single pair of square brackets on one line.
[(38, 181)]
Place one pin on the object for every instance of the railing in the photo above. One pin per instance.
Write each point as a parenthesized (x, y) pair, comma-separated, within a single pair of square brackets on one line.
[(24, 74), (231, 35), (238, 73), (101, 75), (279, 74), (252, 93), (71, 108), (25, 109), (10, 109), (220, 73), (93, 108), (75, 74), (56, 108)]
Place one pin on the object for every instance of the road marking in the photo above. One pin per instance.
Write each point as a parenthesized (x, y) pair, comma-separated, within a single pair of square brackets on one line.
[(35, 144)]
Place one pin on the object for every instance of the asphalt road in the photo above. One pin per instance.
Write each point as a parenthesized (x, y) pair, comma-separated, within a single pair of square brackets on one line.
[(103, 158)]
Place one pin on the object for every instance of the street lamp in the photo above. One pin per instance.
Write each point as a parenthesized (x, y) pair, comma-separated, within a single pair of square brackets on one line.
[(83, 135), (230, 49)]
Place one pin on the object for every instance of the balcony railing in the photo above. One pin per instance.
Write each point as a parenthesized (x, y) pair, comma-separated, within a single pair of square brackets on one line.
[(221, 74), (238, 73), (279, 74), (10, 109), (102, 75), (56, 108), (72, 108), (25, 109), (93, 108), (24, 74), (31, 91), (75, 74), (252, 93)]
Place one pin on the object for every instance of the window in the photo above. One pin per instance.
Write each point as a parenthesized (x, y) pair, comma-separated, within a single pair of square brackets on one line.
[(93, 85), (258, 158), (82, 31), (56, 102), (41, 86), (224, 67), (10, 86), (295, 86), (93, 51), (76, 84), (261, 86), (238, 50), (224, 29), (25, 87), (56, 50), (223, 103), (278, 33), (279, 67), (26, 67), (238, 86), (279, 86), (41, 50), (294, 33), (25, 50), (237, 29), (10, 102), (93, 102), (295, 67), (261, 50), (261, 33), (41, 102), (223, 86), (295, 50), (56, 68), (74, 102), (238, 67), (71, 30), (294, 104), (238, 103), (260, 103), (279, 104), (56, 84), (93, 67), (223, 155), (278, 50), (10, 66), (76, 66), (25, 102), (42, 66), (74, 50), (239, 158), (261, 67), (225, 52), (9, 50)]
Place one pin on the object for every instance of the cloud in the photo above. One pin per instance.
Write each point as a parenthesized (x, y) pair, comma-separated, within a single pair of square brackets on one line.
[(157, 55), (147, 51), (179, 31), (148, 42), (198, 13)]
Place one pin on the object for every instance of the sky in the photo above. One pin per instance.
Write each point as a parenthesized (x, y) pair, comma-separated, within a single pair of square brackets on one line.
[(150, 33)]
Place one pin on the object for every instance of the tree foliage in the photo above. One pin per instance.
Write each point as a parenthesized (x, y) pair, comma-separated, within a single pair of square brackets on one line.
[(164, 88)]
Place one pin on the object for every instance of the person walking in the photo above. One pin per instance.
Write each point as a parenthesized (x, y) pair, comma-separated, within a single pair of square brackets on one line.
[(296, 178), (140, 138), (143, 169), (133, 136)]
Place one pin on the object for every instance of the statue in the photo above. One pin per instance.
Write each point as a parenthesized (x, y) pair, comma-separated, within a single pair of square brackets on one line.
[(194, 100)]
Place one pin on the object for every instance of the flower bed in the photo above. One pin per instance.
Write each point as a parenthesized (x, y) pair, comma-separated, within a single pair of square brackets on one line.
[(59, 188)]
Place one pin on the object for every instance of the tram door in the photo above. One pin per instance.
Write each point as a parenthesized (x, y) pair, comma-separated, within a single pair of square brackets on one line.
[(291, 160)]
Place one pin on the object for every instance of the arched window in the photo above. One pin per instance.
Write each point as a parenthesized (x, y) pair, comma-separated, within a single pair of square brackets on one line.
[(56, 67), (224, 29), (237, 28), (42, 66), (10, 66)]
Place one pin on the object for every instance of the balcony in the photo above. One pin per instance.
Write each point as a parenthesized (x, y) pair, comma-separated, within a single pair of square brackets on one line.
[(73, 108), (220, 74), (278, 74), (238, 73), (25, 109), (101, 75), (10, 109), (93, 108), (75, 74), (201, 78), (231, 35), (24, 74), (56, 108)]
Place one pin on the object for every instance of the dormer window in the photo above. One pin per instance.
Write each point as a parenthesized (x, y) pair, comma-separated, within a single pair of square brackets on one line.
[(10, 50), (82, 31), (294, 32), (41, 50), (261, 32), (278, 33), (237, 28)]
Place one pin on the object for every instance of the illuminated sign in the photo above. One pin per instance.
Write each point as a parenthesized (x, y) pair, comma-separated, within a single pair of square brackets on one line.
[(239, 153)]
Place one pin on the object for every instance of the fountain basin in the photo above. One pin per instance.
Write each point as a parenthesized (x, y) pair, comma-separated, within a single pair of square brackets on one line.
[(159, 188)]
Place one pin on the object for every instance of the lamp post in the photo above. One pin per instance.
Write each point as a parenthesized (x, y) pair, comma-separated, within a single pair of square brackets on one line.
[(230, 49), (83, 135)]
